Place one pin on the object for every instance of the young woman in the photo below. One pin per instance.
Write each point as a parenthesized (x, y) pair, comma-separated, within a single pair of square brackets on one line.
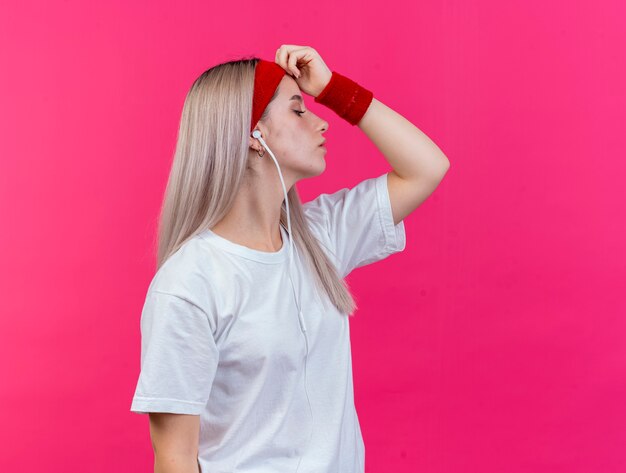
[(245, 348)]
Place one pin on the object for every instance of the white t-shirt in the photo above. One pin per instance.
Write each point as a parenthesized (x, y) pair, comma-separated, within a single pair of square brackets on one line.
[(221, 338)]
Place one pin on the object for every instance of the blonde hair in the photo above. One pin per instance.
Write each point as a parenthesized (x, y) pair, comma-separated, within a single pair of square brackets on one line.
[(208, 169)]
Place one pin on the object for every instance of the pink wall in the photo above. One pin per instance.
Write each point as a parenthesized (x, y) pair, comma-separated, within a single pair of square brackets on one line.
[(495, 342)]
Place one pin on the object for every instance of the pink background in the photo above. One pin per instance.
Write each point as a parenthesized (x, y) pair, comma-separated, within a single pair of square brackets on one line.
[(494, 343)]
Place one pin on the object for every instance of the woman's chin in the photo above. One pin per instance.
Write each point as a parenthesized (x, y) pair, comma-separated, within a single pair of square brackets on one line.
[(316, 170), (322, 166)]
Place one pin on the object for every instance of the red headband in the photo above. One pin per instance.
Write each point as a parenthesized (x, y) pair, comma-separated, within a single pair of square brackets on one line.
[(267, 76)]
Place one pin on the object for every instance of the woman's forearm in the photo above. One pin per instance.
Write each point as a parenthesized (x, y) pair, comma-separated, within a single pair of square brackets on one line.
[(411, 154)]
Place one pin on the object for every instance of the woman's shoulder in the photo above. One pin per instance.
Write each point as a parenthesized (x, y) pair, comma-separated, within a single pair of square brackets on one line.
[(189, 273)]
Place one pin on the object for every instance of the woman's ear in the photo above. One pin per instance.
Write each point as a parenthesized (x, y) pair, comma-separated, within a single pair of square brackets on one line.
[(254, 144)]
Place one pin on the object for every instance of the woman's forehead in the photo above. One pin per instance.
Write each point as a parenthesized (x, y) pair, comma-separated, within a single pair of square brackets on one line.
[(289, 88)]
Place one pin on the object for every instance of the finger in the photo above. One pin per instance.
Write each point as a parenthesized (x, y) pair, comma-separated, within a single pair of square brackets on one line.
[(282, 55), (292, 61), (277, 59), (305, 57), (291, 47)]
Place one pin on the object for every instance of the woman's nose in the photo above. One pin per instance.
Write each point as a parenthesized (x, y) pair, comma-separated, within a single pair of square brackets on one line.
[(323, 125)]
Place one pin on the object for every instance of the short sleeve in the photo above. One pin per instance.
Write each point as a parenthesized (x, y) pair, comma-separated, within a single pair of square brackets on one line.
[(358, 223), (179, 357)]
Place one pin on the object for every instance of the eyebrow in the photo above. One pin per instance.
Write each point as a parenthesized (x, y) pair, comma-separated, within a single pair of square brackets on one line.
[(296, 97)]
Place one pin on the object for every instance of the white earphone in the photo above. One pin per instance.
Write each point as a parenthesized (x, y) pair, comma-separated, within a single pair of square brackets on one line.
[(257, 134)]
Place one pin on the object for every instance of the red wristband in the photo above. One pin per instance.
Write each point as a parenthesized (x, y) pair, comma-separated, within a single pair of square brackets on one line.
[(346, 98)]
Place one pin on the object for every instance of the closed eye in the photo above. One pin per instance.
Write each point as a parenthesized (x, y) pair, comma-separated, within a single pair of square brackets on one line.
[(299, 112)]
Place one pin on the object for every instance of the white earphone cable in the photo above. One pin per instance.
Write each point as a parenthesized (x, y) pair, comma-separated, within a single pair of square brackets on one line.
[(257, 134)]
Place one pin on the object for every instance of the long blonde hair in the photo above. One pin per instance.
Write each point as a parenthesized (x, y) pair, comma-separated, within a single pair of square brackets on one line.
[(208, 169)]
